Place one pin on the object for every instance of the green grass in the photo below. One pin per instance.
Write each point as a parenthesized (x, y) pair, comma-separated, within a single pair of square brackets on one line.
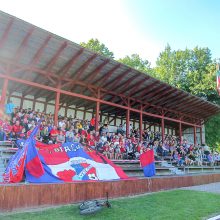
[(177, 204)]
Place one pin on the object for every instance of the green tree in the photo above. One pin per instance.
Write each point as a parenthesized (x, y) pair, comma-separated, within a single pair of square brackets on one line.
[(136, 62), (212, 132), (98, 47), (193, 71)]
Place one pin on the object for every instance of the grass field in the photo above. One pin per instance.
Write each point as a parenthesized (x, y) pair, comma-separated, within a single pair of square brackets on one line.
[(177, 204)]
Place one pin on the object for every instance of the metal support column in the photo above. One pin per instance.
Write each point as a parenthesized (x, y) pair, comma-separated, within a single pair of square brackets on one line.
[(180, 132), (57, 103), (163, 129), (128, 120), (97, 112), (194, 132), (201, 139), (141, 122)]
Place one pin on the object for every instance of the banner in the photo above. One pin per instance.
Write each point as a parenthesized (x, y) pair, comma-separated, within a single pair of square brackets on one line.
[(69, 162)]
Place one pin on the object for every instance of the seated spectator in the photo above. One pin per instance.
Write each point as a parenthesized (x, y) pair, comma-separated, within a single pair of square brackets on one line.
[(106, 148), (92, 124), (111, 151), (2, 134), (45, 135), (70, 135), (103, 138), (117, 152), (16, 129), (91, 142), (60, 137), (53, 134)]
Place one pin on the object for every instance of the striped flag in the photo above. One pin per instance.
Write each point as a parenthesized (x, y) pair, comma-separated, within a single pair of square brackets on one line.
[(218, 80)]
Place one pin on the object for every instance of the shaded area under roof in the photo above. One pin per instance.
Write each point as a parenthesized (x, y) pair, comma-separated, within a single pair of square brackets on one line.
[(45, 58)]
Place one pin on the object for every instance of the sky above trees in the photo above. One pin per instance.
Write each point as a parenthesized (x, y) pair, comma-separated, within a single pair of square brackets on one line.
[(127, 27)]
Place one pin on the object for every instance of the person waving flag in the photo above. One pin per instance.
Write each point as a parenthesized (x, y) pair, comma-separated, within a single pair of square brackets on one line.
[(147, 163)]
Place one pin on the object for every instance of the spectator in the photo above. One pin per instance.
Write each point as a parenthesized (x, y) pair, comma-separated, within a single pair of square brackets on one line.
[(2, 134), (9, 108)]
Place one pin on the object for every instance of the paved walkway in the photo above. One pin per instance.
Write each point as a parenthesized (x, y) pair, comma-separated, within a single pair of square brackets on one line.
[(212, 187)]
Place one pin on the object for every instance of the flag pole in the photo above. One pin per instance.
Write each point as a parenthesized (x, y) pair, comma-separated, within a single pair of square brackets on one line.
[(218, 76)]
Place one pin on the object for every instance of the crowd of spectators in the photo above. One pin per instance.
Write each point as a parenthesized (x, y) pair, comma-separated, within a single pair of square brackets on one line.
[(20, 123)]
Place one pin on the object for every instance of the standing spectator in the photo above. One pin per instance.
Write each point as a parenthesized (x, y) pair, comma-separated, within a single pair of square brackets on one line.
[(9, 108)]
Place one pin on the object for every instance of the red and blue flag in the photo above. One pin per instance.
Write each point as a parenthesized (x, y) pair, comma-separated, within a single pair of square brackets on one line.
[(56, 163), (15, 169), (147, 163)]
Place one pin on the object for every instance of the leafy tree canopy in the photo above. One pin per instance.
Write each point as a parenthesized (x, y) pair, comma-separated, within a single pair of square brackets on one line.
[(136, 62), (98, 47), (195, 72)]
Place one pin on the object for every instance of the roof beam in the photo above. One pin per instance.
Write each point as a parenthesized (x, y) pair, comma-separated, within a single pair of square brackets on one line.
[(162, 99), (177, 102), (145, 90), (23, 45), (154, 92), (161, 94), (188, 103), (79, 72), (192, 106), (81, 69), (40, 51), (106, 75), (127, 84), (93, 74), (135, 89), (117, 80), (177, 98), (64, 70), (53, 60)]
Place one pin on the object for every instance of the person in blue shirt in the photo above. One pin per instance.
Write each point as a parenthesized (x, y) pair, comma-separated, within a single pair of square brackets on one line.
[(2, 134), (9, 108)]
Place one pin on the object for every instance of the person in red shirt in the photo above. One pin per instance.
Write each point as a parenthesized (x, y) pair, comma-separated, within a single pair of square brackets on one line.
[(53, 134), (92, 124), (91, 142), (16, 129), (97, 137)]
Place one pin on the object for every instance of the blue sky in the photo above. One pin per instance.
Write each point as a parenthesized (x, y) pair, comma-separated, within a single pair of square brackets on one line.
[(127, 26), (181, 23)]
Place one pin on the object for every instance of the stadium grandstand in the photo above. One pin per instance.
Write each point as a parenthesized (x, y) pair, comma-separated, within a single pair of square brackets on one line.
[(83, 97)]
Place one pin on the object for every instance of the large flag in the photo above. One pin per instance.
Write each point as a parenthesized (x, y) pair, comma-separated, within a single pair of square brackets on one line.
[(218, 81), (147, 163), (70, 162), (55, 163), (15, 169)]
